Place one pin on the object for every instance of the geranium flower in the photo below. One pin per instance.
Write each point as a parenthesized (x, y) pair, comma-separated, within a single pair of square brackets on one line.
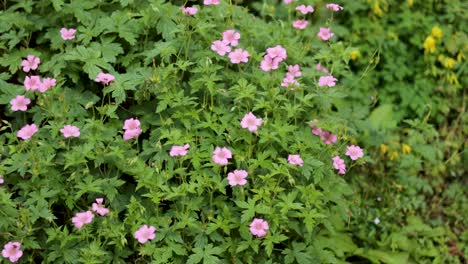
[(67, 34), (334, 7), (237, 177), (179, 150), (259, 227), (238, 56), (231, 37), (328, 137), (99, 208), (251, 122), (189, 10), (145, 233), (305, 9), (104, 78), (70, 131), (339, 164), (300, 24), (32, 83), (20, 103), (221, 155), (82, 218), (30, 63), (294, 70), (27, 131), (354, 152), (295, 160), (211, 2), (12, 251), (268, 64), (328, 80), (46, 84), (325, 33), (132, 129), (277, 52), (220, 47)]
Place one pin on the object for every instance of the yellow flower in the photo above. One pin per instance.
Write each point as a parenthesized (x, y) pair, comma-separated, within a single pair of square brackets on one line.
[(377, 9), (393, 155), (354, 54), (449, 63), (383, 148), (429, 45), (452, 78), (410, 2), (406, 149), (436, 32)]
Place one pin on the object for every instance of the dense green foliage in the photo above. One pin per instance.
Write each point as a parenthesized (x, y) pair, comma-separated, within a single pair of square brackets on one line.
[(400, 95)]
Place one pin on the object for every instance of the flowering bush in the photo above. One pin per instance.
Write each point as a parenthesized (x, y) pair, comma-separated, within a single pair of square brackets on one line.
[(131, 134)]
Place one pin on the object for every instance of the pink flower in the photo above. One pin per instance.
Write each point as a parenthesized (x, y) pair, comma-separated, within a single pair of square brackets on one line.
[(320, 68), (300, 24), (220, 47), (251, 122), (221, 155), (70, 131), (32, 83), (325, 33), (189, 10), (334, 7), (82, 218), (237, 177), (12, 251), (294, 70), (20, 103), (179, 150), (104, 78), (305, 9), (30, 63), (211, 2), (289, 80), (328, 80), (238, 56), (328, 137), (145, 233), (288, 1), (1, 180), (46, 84), (316, 130), (99, 208), (339, 164), (132, 129), (231, 37), (354, 152), (277, 52), (131, 123), (295, 160), (133, 133), (259, 227), (27, 131), (268, 64), (67, 33)]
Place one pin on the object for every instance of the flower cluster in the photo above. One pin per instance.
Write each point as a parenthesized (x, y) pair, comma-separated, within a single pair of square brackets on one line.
[(273, 57), (326, 136), (84, 218), (290, 78), (230, 39), (354, 152)]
